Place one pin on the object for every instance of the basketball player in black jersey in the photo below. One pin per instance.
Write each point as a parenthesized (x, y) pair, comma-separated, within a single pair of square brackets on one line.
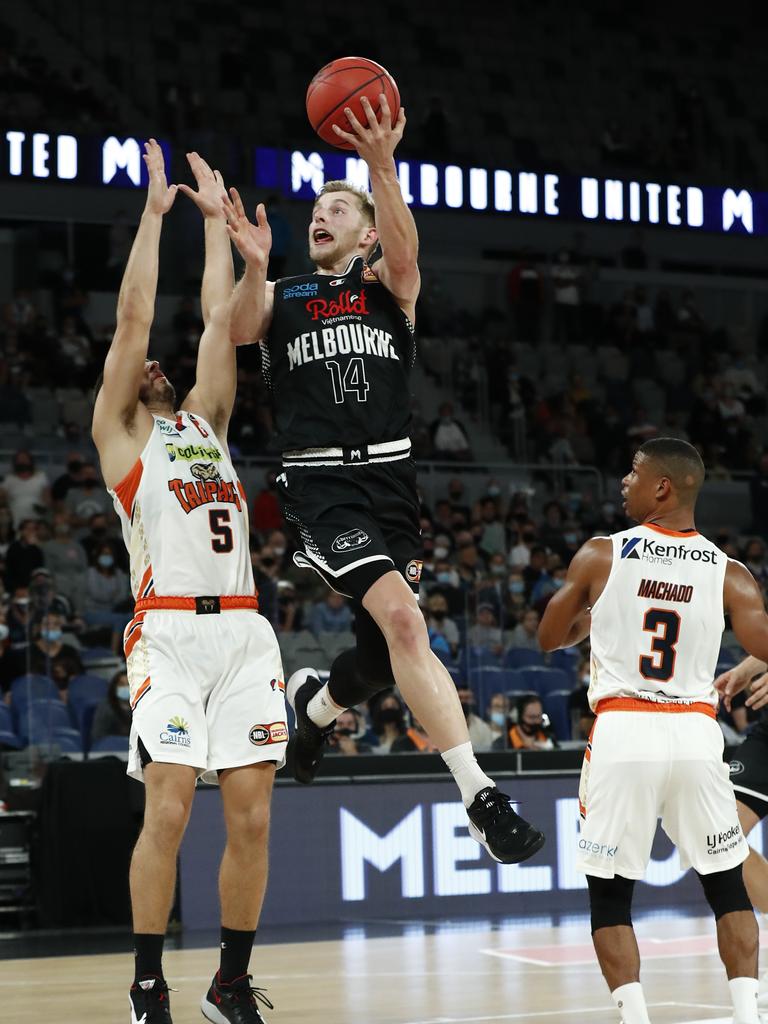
[(337, 348)]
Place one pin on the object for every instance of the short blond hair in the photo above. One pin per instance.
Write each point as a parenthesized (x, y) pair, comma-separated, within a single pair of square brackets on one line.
[(364, 199)]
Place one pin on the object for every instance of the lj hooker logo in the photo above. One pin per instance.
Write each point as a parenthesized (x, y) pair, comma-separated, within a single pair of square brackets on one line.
[(346, 304)]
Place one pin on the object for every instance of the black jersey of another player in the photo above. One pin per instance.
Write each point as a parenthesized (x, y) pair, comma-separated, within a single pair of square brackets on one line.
[(337, 360)]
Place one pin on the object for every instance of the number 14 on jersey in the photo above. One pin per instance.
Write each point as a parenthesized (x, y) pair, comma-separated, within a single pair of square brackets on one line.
[(353, 381)]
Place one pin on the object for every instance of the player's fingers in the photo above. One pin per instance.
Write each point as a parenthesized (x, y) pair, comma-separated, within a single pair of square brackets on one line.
[(386, 113), (400, 123), (261, 216), (237, 202), (219, 179), (370, 116), (188, 191), (344, 135), (356, 126)]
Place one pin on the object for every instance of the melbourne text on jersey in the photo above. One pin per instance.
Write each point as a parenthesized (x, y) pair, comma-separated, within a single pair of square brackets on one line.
[(342, 340)]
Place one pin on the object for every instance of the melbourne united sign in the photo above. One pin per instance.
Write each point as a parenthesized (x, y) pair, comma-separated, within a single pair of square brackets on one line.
[(728, 210)]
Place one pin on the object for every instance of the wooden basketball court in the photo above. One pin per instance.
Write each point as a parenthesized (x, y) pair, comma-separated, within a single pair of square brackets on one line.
[(456, 973)]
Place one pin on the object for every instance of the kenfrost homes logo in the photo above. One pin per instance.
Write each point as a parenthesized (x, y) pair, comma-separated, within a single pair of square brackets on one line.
[(176, 733), (350, 540), (301, 291), (658, 553)]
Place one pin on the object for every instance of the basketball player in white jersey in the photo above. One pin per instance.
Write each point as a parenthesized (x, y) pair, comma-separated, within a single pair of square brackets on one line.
[(203, 666), (652, 600)]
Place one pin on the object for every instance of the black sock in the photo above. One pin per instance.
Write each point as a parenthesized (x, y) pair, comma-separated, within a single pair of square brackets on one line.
[(235, 953), (148, 950)]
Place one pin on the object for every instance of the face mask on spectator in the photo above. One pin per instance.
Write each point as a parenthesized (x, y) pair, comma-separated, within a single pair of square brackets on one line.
[(445, 577), (468, 708), (571, 538), (585, 678), (51, 635), (105, 561), (279, 552), (390, 716), (123, 693), (440, 553), (4, 632), (493, 491), (516, 587), (61, 529), (438, 614), (498, 570), (498, 718), (23, 467), (557, 584), (74, 466)]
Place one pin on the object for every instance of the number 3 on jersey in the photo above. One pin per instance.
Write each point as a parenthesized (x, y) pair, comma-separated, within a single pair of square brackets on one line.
[(665, 626), (353, 381)]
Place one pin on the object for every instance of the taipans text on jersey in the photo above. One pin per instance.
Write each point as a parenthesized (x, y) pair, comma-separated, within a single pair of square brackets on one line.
[(192, 494), (341, 340)]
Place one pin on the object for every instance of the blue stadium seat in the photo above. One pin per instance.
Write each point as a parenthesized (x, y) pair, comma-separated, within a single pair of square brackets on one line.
[(473, 658), (541, 680), (726, 658), (568, 660), (68, 741), (6, 719), (9, 740), (556, 707), (110, 744), (520, 657), (32, 687), (41, 718), (86, 724), (91, 654), (83, 692)]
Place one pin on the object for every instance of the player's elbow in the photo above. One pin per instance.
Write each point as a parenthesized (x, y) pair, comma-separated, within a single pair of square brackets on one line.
[(548, 638)]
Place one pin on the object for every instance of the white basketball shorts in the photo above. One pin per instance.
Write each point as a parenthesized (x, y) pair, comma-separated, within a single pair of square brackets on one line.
[(206, 690), (644, 765)]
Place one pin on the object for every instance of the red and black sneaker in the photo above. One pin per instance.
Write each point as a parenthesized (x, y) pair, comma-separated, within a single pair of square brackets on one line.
[(234, 1003), (149, 1001)]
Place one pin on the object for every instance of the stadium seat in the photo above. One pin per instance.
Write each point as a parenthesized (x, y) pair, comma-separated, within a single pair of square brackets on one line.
[(6, 719), (556, 707), (41, 718), (568, 660), (9, 740), (110, 744), (726, 659), (520, 657), (27, 688), (83, 692), (540, 679), (91, 654), (67, 740)]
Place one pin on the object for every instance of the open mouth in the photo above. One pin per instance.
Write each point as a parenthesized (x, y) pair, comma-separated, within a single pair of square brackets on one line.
[(321, 237)]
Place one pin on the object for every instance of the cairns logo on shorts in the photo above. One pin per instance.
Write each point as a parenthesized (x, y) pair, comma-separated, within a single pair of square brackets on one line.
[(176, 733), (275, 732), (349, 541), (301, 291)]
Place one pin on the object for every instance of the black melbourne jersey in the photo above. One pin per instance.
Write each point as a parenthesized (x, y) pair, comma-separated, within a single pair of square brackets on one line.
[(337, 360)]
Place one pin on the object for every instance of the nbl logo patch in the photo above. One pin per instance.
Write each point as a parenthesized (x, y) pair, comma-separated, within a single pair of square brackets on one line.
[(413, 570), (628, 546)]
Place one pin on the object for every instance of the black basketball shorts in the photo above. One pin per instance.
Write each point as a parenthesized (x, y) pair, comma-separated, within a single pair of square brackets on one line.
[(749, 771), (354, 523)]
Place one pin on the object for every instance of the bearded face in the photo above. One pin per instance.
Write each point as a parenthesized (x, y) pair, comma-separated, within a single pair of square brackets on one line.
[(156, 390)]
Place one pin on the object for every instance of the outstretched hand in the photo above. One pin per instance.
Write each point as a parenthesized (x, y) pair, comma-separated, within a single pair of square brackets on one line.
[(729, 683), (377, 142), (210, 188), (253, 241), (160, 195)]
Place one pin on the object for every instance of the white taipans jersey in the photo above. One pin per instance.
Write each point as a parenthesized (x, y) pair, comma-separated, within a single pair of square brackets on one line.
[(184, 515), (656, 627)]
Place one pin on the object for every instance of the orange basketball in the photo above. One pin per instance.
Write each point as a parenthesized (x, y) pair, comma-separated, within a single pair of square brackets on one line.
[(341, 84)]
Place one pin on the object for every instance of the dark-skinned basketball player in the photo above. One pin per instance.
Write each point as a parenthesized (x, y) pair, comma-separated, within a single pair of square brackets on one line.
[(337, 348), (652, 600)]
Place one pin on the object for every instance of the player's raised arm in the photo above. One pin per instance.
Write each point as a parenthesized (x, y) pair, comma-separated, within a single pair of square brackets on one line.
[(749, 621), (213, 394), (251, 304), (398, 269), (118, 398), (566, 619)]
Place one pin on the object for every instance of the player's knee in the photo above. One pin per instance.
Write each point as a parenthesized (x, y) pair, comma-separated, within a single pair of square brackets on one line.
[(610, 901), (404, 628), (249, 826), (725, 891), (165, 819)]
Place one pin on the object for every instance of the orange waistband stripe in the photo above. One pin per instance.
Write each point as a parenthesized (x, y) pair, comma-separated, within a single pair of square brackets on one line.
[(667, 707), (193, 604)]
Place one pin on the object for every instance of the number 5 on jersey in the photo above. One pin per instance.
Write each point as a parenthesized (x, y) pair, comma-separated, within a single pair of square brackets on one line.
[(222, 540), (353, 381), (665, 627)]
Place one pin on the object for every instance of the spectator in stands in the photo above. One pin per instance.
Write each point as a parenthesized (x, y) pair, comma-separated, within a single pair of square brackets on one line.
[(566, 310), (14, 405), (75, 350), (97, 537), (525, 632), (113, 715), (582, 716), (415, 740), (514, 604), (266, 511), (23, 555), (493, 536), (265, 585), (344, 738), (449, 436), (19, 618), (282, 237), (480, 732), (497, 716), (459, 507), (486, 632), (52, 653), (525, 292), (66, 559), (331, 615), (536, 569), (755, 560), (72, 478), (443, 631), (528, 733), (551, 579), (7, 532), (88, 499), (520, 552), (45, 597), (26, 489), (387, 720), (290, 615), (107, 594)]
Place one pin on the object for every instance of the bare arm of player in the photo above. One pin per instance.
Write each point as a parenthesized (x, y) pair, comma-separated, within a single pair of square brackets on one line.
[(744, 604), (398, 268), (120, 423), (213, 395), (566, 620), (252, 300), (738, 678)]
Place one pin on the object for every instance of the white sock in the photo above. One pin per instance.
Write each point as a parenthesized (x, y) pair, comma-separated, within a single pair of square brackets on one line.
[(322, 710), (467, 773), (631, 1001), (744, 999)]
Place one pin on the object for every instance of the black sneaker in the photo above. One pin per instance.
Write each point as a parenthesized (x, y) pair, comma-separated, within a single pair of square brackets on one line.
[(306, 744), (234, 1003), (506, 836), (149, 1002)]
